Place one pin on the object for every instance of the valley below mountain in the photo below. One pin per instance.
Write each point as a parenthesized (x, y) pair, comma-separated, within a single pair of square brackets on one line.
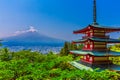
[(34, 41)]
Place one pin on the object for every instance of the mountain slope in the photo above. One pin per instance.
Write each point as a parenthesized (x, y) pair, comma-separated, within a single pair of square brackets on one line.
[(31, 38)]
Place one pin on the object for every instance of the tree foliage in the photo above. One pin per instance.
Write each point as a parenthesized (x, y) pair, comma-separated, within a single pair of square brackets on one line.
[(115, 48), (27, 65), (69, 46)]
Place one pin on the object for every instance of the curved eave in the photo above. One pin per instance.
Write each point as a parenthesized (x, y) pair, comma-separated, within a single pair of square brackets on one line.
[(79, 41), (105, 40), (75, 42), (106, 29), (81, 53), (97, 40), (81, 30), (95, 53), (112, 30)]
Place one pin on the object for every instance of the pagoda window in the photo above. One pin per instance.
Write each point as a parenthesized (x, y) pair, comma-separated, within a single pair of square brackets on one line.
[(88, 27), (88, 56), (91, 34), (91, 59), (85, 46), (91, 46)]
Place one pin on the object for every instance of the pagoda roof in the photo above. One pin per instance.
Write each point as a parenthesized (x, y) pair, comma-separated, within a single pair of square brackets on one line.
[(86, 66), (95, 53), (98, 40), (97, 27)]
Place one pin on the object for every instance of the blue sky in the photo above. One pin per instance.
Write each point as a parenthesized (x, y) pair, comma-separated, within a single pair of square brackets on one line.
[(55, 18)]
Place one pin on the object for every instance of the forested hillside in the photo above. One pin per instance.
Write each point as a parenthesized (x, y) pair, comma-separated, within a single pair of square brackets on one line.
[(28, 65)]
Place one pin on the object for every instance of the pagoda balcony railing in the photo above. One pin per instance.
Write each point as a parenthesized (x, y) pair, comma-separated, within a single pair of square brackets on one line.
[(106, 37)]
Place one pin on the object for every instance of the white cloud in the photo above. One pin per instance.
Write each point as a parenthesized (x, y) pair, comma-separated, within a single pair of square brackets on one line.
[(31, 29)]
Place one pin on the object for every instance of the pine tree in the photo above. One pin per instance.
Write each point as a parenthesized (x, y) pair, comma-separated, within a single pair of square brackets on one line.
[(80, 46), (65, 50)]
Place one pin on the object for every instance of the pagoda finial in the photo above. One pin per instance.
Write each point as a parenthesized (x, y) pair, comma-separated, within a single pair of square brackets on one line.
[(94, 13)]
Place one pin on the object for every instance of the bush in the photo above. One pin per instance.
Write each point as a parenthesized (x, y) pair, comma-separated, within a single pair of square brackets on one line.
[(27, 65)]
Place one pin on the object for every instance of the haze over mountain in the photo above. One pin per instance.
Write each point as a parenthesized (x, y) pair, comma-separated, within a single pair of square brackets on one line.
[(31, 37)]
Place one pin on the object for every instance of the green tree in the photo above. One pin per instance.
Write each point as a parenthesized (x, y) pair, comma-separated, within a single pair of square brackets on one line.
[(80, 46), (73, 46), (65, 50), (67, 47), (27, 65)]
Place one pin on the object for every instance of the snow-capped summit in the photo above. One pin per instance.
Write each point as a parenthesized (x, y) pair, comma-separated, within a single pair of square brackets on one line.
[(30, 37), (31, 29)]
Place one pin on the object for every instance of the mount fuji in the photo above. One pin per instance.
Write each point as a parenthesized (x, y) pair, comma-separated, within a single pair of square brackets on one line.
[(31, 37)]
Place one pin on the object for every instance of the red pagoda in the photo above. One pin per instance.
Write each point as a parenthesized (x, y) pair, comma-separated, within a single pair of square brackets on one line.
[(95, 52)]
